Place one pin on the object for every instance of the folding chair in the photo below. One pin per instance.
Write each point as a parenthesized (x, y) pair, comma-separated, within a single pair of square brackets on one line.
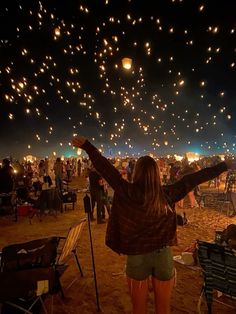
[(24, 289), (69, 197), (31, 254), (28, 271), (232, 197), (218, 264), (69, 248), (49, 201), (226, 201), (206, 198)]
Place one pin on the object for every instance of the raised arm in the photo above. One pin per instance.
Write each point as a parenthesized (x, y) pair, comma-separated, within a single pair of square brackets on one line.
[(101, 164), (178, 190)]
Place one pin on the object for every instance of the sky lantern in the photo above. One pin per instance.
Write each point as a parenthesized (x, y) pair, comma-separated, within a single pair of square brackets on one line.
[(57, 31), (129, 68), (127, 63)]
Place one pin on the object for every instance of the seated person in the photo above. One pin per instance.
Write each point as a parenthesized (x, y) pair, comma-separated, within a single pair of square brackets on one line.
[(6, 177), (6, 186)]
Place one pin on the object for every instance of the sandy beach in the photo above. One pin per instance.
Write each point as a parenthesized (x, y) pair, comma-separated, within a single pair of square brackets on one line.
[(112, 288)]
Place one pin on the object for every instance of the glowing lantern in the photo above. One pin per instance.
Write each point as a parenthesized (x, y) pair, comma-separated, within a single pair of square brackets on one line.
[(79, 151), (57, 31), (127, 63)]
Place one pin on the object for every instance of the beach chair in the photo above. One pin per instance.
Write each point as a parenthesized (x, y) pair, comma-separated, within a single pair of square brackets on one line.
[(227, 199), (28, 274), (49, 202), (218, 265), (25, 290), (69, 248), (225, 204), (69, 197)]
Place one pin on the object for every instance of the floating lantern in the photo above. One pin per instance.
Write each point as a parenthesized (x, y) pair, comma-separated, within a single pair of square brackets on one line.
[(30, 158), (57, 31), (127, 63), (191, 156), (79, 151)]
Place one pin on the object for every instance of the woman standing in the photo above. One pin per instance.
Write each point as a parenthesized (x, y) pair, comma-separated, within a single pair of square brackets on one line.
[(142, 223)]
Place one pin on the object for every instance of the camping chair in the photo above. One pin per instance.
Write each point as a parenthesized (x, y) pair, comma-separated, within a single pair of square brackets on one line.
[(218, 264), (69, 248), (49, 201), (24, 204), (233, 202), (69, 197), (28, 273), (206, 198), (24, 289), (227, 199), (225, 203)]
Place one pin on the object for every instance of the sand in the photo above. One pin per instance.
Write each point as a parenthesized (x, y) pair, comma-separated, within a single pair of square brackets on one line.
[(111, 281)]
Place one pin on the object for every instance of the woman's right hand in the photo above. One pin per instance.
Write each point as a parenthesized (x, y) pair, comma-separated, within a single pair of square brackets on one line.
[(78, 141)]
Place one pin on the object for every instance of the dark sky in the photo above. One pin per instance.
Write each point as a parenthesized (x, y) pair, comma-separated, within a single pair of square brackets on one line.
[(61, 74)]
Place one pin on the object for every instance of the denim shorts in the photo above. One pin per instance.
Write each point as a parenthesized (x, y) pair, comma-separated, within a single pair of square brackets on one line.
[(158, 264)]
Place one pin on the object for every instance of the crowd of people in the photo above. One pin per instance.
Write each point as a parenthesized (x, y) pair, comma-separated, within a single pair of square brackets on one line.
[(24, 181), (142, 216), (47, 172)]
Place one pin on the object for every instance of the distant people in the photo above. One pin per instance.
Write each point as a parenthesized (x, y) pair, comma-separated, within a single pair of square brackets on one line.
[(29, 174), (130, 170), (19, 171), (216, 181), (58, 170), (105, 204), (165, 172), (46, 167), (68, 170), (41, 170), (230, 181), (29, 170), (47, 183), (85, 167), (174, 169), (79, 167), (96, 194), (6, 177), (191, 196), (142, 223)]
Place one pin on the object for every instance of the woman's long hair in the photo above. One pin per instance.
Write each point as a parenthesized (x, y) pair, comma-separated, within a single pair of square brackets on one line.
[(147, 177)]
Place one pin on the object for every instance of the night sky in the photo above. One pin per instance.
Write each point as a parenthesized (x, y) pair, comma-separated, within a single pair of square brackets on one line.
[(61, 74)]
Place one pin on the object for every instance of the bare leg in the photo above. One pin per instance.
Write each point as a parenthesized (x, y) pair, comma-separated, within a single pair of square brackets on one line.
[(192, 199), (181, 203), (162, 293), (139, 295)]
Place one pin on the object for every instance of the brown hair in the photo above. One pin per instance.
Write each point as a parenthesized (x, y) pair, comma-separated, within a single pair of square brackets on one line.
[(146, 175)]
